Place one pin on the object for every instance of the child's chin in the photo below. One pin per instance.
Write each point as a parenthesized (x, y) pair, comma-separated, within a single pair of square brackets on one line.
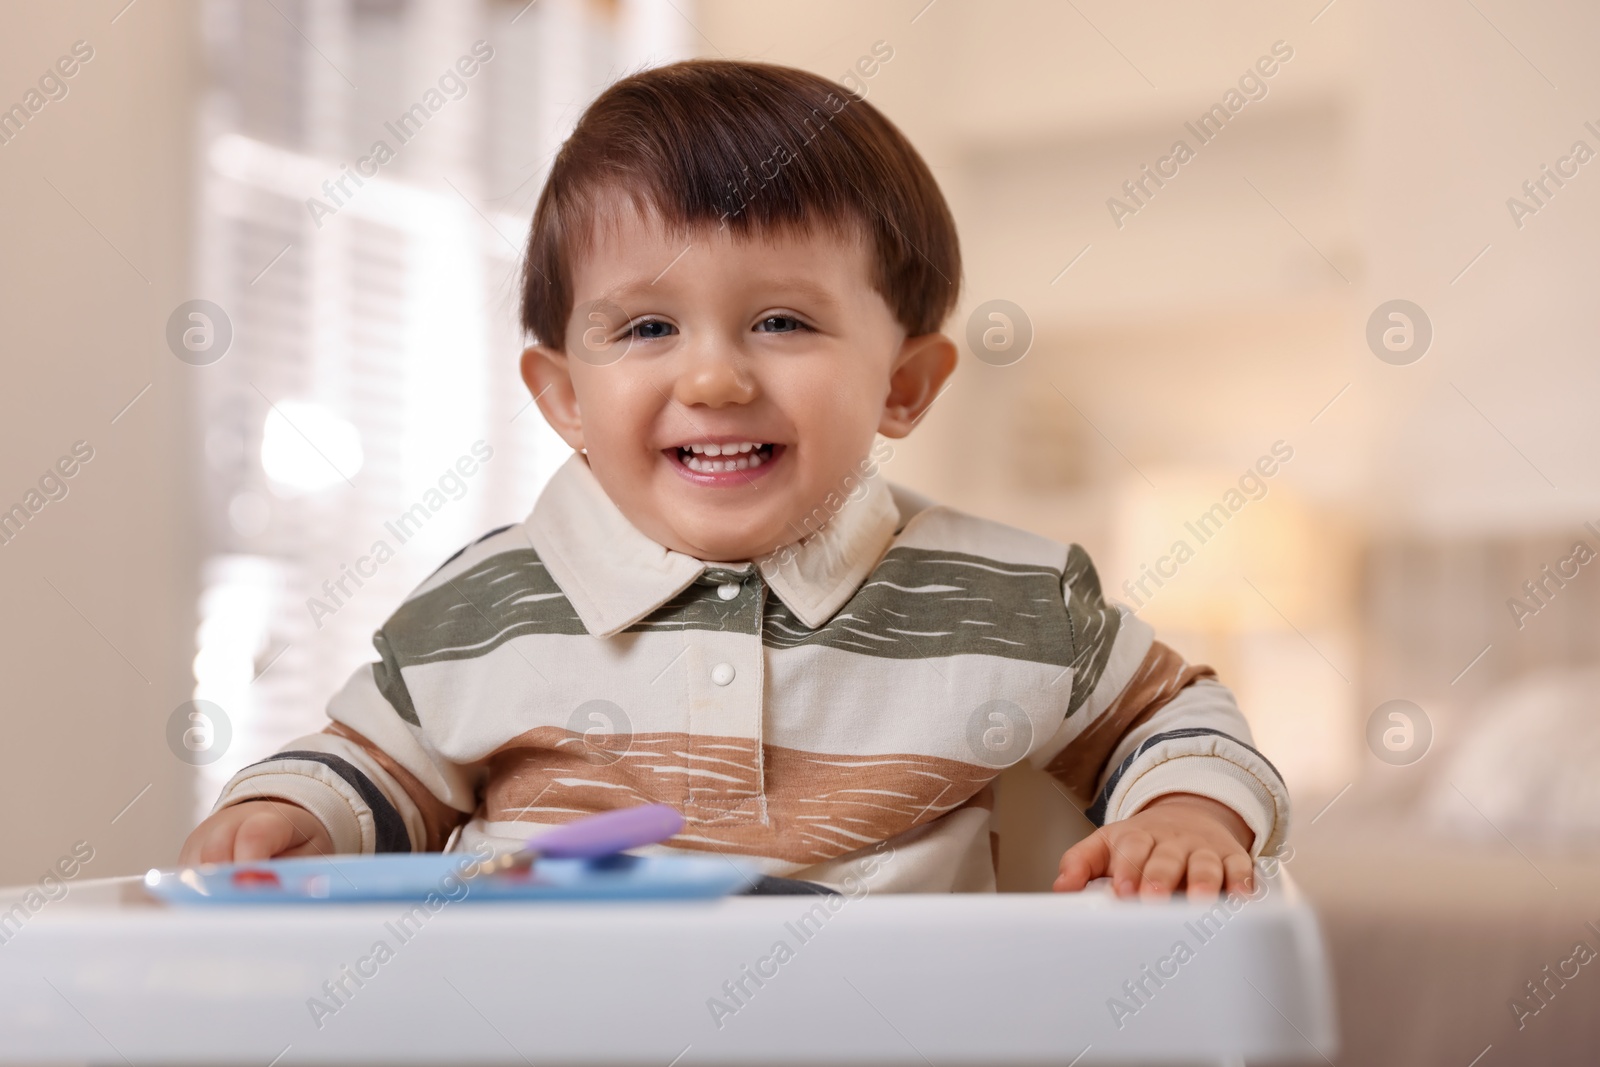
[(719, 543)]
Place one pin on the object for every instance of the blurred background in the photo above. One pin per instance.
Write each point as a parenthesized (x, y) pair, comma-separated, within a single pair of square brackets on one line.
[(260, 346)]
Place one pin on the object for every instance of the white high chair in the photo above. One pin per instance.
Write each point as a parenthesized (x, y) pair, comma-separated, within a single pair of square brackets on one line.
[(103, 976)]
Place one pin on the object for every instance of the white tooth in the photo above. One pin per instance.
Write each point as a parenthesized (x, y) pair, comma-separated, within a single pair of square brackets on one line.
[(713, 450), (733, 460), (697, 449), (746, 446)]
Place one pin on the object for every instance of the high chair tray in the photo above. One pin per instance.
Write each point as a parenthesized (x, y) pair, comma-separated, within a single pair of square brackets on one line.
[(107, 976)]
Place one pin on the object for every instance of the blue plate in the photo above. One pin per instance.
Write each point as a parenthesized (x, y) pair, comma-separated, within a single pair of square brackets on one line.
[(417, 877)]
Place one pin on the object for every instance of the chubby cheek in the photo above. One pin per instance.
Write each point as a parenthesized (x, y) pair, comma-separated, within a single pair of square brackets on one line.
[(619, 458), (618, 418), (838, 432)]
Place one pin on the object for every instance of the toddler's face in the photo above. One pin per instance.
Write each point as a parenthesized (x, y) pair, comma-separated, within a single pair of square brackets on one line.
[(724, 386)]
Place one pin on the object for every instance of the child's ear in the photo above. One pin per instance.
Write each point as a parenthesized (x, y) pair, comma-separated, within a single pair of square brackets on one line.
[(920, 370), (545, 372)]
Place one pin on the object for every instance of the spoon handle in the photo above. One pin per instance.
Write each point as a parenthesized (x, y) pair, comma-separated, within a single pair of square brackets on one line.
[(608, 832)]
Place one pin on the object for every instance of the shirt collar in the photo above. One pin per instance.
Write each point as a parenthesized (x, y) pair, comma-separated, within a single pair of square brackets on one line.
[(615, 576)]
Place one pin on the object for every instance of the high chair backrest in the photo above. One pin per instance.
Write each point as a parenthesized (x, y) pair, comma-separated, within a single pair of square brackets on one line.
[(1037, 821)]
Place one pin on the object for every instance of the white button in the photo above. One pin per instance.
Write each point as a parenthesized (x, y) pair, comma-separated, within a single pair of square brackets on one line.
[(722, 673), (728, 590)]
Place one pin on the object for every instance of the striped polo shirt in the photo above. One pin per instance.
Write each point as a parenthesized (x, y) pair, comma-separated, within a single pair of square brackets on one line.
[(856, 691)]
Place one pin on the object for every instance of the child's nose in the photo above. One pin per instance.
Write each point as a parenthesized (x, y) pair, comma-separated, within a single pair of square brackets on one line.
[(715, 375)]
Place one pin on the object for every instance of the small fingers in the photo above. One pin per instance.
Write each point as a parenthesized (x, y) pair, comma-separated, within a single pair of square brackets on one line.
[(1240, 873), (1164, 869), (215, 845), (1083, 863), (1205, 874), (189, 855), (1129, 851), (262, 836)]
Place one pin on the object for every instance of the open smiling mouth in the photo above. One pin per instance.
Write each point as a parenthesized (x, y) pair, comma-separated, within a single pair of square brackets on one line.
[(726, 458)]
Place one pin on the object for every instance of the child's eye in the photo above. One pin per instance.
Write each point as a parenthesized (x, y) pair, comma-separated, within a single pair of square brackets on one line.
[(780, 324), (652, 329)]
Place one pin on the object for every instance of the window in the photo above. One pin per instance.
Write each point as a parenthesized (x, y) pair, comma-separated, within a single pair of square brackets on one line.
[(369, 167)]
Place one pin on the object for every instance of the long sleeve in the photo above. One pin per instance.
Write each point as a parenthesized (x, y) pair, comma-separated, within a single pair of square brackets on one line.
[(370, 776), (1142, 723)]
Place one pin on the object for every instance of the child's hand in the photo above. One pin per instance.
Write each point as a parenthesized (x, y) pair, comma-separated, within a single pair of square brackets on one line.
[(256, 830), (1175, 840)]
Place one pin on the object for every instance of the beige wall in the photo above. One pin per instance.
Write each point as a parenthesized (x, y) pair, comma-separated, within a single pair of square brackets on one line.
[(1229, 311), (1222, 316), (98, 588)]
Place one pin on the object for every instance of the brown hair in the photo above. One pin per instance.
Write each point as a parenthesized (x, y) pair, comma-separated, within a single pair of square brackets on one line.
[(753, 147)]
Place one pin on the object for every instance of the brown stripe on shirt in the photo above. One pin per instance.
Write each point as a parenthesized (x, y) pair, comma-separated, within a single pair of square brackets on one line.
[(1160, 677), (552, 774), (817, 805)]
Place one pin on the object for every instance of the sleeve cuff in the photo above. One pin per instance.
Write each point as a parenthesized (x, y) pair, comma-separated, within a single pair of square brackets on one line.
[(347, 818), (1216, 778)]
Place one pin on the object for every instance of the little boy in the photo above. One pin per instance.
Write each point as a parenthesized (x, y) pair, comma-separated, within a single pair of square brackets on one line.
[(735, 280)]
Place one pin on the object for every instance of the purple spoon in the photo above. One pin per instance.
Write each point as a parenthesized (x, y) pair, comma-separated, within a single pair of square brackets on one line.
[(592, 836)]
